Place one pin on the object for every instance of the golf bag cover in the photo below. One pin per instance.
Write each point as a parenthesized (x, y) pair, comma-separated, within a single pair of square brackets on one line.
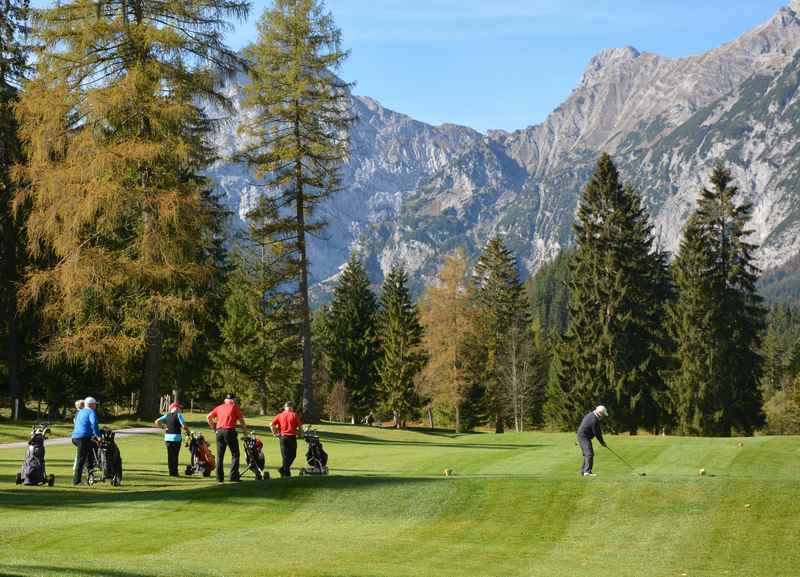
[(204, 453), (316, 455), (33, 467), (110, 456)]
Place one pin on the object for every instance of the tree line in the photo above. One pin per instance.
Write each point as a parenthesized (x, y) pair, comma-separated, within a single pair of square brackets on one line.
[(685, 347), (119, 275), (117, 266)]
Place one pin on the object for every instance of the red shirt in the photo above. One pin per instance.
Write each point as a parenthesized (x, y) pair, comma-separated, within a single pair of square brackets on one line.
[(227, 414), (288, 422)]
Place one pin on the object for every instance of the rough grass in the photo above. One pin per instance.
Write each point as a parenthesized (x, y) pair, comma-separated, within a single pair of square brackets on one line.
[(515, 506)]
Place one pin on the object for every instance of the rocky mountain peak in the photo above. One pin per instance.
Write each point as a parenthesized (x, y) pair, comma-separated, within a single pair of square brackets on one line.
[(413, 192)]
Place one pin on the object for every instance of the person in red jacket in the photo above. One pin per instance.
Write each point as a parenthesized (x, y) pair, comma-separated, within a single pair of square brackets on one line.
[(223, 419), (287, 426)]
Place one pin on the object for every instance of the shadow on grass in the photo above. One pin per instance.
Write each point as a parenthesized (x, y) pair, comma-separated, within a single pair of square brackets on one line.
[(336, 437), (282, 489), (28, 570)]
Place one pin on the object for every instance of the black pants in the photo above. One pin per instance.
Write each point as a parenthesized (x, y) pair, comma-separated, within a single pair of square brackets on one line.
[(173, 450), (227, 438), (85, 457), (288, 453), (588, 454)]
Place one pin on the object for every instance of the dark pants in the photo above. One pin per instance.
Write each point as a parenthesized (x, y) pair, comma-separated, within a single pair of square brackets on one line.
[(227, 438), (288, 453), (173, 450), (85, 457), (588, 454)]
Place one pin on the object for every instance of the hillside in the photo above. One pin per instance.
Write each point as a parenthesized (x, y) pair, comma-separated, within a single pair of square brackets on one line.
[(412, 191), (515, 507)]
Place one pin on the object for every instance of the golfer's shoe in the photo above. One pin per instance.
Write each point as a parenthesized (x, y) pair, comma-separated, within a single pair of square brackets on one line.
[(589, 475)]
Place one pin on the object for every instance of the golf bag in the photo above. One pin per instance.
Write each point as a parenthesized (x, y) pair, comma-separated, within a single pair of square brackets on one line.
[(33, 470), (316, 457), (254, 455), (202, 458), (107, 462)]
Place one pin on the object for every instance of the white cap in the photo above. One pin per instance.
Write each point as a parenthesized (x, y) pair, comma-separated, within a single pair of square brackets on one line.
[(90, 401), (601, 410)]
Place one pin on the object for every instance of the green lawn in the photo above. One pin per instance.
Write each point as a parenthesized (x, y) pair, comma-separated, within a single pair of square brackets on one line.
[(514, 507)]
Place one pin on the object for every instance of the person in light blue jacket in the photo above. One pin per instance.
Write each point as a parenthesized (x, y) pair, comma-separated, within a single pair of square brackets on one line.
[(86, 432)]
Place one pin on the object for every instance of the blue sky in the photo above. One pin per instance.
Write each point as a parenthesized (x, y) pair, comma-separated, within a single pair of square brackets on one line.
[(508, 63)]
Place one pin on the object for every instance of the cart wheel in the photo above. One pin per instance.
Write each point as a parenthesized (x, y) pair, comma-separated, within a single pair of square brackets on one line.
[(90, 479), (189, 470), (19, 479), (51, 480), (206, 472), (258, 476), (302, 472), (266, 474)]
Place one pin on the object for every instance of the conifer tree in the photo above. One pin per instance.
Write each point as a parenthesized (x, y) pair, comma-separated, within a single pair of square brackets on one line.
[(609, 353), (447, 316), (402, 355), (502, 322), (351, 338), (115, 136), (259, 353), (548, 293), (298, 130), (716, 320), (13, 67)]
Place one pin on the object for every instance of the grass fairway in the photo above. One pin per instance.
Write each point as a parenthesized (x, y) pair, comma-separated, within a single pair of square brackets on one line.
[(514, 507)]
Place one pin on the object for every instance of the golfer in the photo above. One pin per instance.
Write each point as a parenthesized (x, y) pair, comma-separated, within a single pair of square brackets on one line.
[(287, 426), (224, 419), (174, 423), (85, 433), (589, 429)]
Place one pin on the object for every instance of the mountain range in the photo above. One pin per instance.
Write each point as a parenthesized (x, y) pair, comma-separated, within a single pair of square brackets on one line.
[(413, 192)]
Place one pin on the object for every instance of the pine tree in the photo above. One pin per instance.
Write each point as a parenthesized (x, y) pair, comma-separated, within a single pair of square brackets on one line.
[(716, 321), (259, 356), (13, 67), (298, 130), (351, 340), (447, 316), (609, 353), (116, 142), (548, 293), (400, 336), (502, 324)]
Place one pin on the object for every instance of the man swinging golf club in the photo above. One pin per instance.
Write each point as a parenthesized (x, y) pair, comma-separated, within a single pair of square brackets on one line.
[(589, 429)]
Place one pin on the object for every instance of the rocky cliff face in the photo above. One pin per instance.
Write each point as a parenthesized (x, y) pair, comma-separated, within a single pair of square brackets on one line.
[(413, 192)]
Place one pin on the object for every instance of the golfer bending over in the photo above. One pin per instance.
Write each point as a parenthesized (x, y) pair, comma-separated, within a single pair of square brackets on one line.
[(223, 419), (287, 425), (85, 433), (589, 429)]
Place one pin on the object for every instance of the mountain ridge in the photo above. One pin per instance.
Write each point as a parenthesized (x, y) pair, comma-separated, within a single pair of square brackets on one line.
[(414, 191)]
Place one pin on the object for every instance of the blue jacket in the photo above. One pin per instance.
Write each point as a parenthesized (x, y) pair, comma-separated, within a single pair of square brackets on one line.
[(86, 424)]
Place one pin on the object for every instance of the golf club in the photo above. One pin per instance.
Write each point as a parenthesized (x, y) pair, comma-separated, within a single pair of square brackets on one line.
[(613, 452)]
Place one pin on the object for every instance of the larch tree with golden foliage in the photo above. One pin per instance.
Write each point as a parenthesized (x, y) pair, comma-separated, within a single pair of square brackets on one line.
[(115, 133), (446, 314), (297, 131)]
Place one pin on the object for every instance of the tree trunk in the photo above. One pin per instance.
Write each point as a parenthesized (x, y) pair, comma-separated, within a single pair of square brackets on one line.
[(458, 418), (310, 414), (499, 424), (430, 418), (151, 387), (13, 361)]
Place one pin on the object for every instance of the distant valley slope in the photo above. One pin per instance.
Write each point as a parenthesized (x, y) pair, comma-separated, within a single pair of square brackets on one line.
[(413, 192)]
